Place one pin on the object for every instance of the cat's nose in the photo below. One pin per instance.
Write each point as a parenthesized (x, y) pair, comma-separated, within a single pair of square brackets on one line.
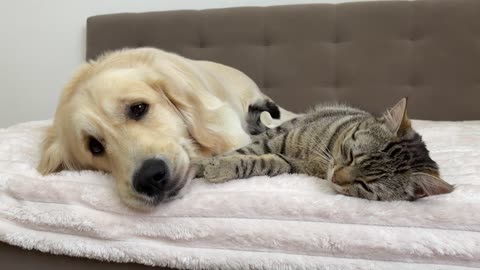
[(343, 176), (334, 179)]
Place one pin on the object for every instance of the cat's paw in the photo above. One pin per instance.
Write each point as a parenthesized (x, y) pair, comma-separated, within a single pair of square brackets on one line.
[(217, 170), (199, 165)]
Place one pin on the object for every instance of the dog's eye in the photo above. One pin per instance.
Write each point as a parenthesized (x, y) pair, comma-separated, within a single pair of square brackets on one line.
[(95, 147), (137, 111)]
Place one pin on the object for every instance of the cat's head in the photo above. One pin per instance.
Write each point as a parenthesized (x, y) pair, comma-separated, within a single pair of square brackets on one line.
[(385, 159)]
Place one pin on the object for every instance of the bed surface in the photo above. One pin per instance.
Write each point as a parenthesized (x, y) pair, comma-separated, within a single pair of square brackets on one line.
[(369, 54), (294, 221)]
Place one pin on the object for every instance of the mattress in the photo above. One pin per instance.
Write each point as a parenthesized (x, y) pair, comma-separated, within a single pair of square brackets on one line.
[(284, 222)]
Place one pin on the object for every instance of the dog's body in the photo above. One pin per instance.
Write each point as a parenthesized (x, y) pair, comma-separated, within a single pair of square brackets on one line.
[(143, 114)]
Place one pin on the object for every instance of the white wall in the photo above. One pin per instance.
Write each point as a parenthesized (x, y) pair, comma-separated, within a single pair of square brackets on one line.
[(42, 42)]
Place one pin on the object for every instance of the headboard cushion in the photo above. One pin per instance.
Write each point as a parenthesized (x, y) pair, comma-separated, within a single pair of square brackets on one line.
[(369, 54)]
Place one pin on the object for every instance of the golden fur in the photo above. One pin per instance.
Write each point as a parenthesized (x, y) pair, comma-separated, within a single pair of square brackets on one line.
[(197, 109)]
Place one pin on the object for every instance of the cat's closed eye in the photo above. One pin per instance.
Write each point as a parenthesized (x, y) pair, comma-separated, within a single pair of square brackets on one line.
[(363, 185), (350, 157)]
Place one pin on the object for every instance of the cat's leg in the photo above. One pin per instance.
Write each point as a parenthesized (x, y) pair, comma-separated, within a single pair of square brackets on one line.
[(223, 168)]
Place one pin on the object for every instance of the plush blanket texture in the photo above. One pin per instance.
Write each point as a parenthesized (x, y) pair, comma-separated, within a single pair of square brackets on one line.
[(285, 222)]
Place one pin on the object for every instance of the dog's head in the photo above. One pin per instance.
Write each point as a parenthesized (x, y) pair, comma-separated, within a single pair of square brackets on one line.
[(141, 122)]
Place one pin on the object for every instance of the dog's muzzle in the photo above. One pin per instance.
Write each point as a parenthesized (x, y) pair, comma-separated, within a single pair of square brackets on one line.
[(151, 178)]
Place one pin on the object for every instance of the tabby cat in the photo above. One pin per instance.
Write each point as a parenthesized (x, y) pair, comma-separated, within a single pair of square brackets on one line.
[(376, 158)]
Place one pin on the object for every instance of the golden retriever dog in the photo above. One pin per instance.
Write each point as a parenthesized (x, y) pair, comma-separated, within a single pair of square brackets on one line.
[(143, 115)]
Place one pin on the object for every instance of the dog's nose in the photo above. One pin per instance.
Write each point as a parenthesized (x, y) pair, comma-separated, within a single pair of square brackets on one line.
[(151, 178)]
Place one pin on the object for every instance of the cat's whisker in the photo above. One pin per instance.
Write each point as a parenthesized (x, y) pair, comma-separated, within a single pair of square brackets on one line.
[(325, 158), (323, 151), (322, 155), (324, 148)]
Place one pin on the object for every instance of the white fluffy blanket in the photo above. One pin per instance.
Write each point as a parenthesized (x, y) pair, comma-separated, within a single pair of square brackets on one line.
[(285, 222)]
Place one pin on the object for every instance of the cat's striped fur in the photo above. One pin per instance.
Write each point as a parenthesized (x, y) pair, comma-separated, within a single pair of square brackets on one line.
[(377, 158)]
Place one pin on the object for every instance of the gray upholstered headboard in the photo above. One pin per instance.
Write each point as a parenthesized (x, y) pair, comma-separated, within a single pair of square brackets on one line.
[(369, 54)]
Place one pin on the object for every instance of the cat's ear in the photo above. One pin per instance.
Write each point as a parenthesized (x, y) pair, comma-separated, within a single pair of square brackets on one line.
[(429, 185), (396, 118)]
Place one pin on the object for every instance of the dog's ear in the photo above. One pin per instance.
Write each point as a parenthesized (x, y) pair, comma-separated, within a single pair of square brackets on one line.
[(187, 90), (51, 159)]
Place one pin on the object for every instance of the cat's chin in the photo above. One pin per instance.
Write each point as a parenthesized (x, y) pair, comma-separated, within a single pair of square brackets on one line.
[(339, 189)]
